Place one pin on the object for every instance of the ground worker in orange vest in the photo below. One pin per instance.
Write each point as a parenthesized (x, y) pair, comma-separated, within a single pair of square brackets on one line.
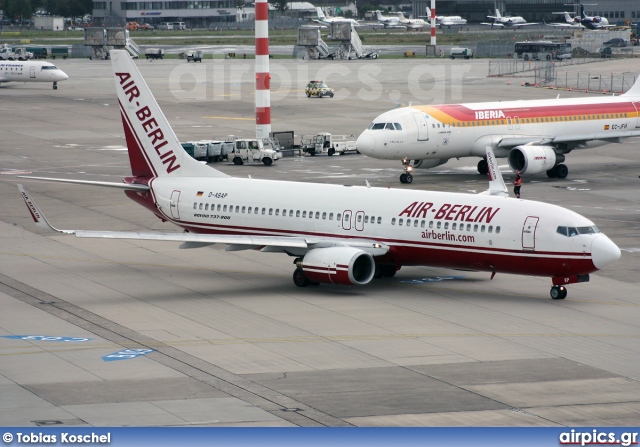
[(517, 183)]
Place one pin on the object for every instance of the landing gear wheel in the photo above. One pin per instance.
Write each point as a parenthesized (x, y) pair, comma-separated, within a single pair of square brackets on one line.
[(237, 161), (483, 168), (561, 171), (408, 178), (558, 292), (55, 86), (299, 279), (551, 173), (403, 178), (267, 161)]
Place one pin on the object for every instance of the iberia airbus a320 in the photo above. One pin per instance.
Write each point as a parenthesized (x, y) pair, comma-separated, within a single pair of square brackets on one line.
[(535, 135), (358, 234)]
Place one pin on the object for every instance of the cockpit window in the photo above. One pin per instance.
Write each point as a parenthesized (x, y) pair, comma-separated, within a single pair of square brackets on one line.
[(574, 231), (377, 126), (49, 67), (390, 127), (398, 126)]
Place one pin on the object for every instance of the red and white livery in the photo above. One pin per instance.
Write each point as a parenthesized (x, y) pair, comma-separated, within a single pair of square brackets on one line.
[(340, 234)]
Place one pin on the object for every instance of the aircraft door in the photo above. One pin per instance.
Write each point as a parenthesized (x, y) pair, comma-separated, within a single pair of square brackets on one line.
[(529, 233), (422, 125), (346, 220), (637, 106), (173, 205), (359, 221), (32, 73)]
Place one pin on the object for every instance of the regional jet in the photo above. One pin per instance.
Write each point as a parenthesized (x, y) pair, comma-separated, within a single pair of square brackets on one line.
[(338, 234), (569, 22), (31, 71), (325, 20), (535, 135)]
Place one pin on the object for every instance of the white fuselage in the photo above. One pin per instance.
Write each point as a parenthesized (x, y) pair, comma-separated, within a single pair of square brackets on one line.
[(450, 20), (30, 71), (439, 229), (462, 130)]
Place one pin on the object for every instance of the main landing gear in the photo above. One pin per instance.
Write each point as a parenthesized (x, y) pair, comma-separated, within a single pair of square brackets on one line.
[(406, 177), (558, 292), (558, 171)]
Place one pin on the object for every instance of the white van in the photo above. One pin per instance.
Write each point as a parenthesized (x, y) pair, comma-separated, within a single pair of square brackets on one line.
[(179, 25), (461, 52), (166, 25)]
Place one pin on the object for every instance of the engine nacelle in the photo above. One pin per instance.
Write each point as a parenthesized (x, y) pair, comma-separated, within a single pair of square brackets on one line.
[(338, 265), (428, 164), (532, 159)]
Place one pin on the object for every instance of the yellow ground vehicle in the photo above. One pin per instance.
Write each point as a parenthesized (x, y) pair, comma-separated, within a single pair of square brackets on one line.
[(319, 89)]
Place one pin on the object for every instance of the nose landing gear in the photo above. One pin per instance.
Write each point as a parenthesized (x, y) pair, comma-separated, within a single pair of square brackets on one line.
[(406, 177), (55, 86), (558, 292)]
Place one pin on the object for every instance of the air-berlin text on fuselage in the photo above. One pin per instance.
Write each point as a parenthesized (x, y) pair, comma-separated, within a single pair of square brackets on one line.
[(489, 114), (448, 211), (149, 123)]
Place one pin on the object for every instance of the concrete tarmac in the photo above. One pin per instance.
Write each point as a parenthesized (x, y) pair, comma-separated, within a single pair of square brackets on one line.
[(232, 341)]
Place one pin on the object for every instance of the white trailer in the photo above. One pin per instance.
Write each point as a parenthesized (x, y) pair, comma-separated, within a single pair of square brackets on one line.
[(49, 23), (245, 150), (325, 143)]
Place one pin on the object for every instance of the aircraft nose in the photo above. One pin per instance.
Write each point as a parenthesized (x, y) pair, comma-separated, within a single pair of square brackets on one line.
[(366, 143), (604, 251)]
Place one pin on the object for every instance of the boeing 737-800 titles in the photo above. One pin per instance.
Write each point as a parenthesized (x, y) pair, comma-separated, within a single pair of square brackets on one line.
[(31, 71), (339, 234), (535, 135)]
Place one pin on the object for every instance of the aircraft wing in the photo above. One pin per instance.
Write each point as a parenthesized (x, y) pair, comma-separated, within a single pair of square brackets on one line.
[(500, 25), (293, 245), (510, 142)]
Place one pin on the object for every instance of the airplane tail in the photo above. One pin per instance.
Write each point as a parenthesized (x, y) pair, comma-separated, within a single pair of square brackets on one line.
[(498, 13), (635, 88), (320, 13), (379, 15), (497, 187), (428, 12), (567, 17), (154, 149)]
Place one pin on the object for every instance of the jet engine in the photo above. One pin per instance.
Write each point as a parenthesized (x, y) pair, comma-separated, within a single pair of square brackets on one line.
[(338, 265), (428, 164), (532, 159)]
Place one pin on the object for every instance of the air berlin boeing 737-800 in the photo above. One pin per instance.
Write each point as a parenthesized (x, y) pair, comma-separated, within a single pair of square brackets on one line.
[(340, 234)]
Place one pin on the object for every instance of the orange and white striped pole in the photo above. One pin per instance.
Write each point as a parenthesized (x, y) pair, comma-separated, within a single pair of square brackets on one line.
[(263, 92)]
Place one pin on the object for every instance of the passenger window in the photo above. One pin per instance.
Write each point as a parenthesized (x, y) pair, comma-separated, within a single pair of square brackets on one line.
[(224, 208), (317, 214), (453, 226), (490, 228), (475, 228), (298, 213), (482, 229), (237, 208), (430, 224), (400, 222), (218, 207), (338, 216), (446, 225), (206, 207), (498, 230), (264, 210), (243, 210), (366, 219), (255, 210), (324, 216), (290, 213), (422, 224), (304, 214), (379, 219), (393, 221), (330, 216), (415, 223), (408, 222), (200, 207), (277, 212), (438, 225), (468, 227), (195, 205)]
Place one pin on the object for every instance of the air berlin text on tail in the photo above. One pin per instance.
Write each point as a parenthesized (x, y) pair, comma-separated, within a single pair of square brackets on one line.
[(149, 124)]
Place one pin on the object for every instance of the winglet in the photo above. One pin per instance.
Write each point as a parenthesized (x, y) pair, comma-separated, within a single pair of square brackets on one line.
[(497, 187), (36, 214)]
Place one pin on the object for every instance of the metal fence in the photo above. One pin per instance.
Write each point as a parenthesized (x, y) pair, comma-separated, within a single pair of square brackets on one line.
[(594, 82), (503, 67)]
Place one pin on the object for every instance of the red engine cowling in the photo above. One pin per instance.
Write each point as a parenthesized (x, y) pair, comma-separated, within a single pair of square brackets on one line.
[(532, 159), (338, 265)]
